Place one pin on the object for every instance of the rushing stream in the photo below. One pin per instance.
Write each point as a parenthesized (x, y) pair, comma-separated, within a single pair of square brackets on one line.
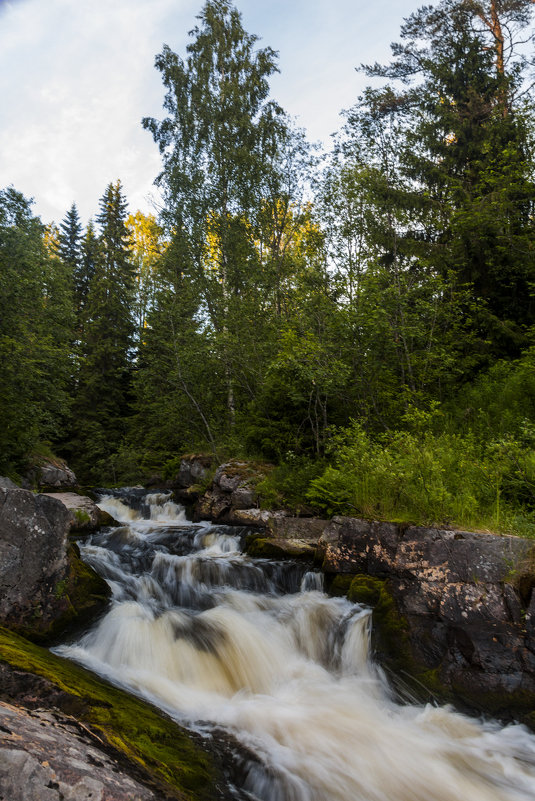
[(216, 638)]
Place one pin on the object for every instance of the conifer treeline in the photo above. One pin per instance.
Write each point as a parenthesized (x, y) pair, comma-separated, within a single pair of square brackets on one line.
[(281, 296)]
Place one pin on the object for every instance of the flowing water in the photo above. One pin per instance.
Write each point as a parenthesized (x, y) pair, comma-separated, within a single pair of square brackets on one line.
[(218, 639)]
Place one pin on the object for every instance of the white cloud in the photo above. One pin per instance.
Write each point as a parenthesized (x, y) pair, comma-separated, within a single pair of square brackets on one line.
[(77, 76)]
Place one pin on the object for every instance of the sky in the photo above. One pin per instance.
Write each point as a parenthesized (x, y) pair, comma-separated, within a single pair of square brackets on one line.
[(77, 77)]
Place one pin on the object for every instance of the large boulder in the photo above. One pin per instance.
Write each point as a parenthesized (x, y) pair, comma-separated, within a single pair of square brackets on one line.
[(51, 474), (307, 529), (193, 469), (7, 483), (460, 604), (44, 586), (192, 474), (47, 756), (232, 496)]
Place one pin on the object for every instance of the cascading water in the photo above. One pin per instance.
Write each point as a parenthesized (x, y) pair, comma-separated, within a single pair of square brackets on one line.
[(216, 638)]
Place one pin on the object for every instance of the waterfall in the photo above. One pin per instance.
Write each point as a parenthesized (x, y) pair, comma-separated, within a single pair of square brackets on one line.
[(218, 639)]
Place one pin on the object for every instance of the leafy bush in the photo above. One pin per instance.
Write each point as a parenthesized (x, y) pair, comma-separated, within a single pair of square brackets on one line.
[(434, 478)]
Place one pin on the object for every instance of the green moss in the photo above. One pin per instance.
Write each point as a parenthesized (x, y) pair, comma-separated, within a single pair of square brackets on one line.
[(340, 584), (164, 752), (81, 517), (59, 589), (74, 600), (272, 548)]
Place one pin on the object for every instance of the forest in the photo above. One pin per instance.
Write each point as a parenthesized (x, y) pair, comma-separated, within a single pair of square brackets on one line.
[(361, 320)]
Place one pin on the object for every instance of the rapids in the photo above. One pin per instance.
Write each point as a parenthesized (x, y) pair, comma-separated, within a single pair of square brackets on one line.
[(218, 639)]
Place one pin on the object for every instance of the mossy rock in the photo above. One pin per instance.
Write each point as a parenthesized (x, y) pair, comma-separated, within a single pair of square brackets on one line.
[(274, 548), (75, 599), (339, 586), (390, 639), (162, 753)]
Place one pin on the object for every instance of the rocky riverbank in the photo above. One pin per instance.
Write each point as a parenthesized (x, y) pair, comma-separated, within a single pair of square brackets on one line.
[(63, 732), (454, 611)]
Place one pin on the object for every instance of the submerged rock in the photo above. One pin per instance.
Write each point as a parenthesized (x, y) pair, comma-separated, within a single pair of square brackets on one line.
[(44, 586)]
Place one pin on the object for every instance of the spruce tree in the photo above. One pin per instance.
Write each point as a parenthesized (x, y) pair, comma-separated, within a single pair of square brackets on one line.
[(464, 168), (35, 334), (103, 395), (70, 232), (87, 266)]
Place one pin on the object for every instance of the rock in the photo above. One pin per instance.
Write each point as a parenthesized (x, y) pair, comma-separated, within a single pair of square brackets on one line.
[(6, 483), (255, 518), (84, 514), (51, 474), (307, 529), (455, 609), (232, 498), (44, 586), (243, 498), (193, 469), (45, 756), (76, 709), (277, 548)]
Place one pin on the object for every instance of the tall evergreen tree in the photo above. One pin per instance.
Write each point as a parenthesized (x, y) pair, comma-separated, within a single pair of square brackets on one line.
[(102, 401), (88, 262), (35, 333), (464, 167), (70, 233)]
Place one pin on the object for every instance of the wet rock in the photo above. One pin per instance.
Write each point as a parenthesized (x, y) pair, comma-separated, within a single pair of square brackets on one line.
[(44, 586), (84, 514), (458, 604)]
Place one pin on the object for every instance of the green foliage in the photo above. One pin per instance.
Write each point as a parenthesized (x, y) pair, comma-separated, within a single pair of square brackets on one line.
[(286, 485), (102, 401), (35, 330), (432, 478)]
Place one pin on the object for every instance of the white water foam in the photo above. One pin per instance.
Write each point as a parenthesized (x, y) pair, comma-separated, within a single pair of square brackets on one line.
[(292, 677)]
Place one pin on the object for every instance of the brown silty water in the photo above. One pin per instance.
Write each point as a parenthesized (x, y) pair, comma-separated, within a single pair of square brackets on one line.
[(216, 638)]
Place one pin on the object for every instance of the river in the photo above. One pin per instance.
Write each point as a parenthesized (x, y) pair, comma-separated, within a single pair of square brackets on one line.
[(216, 638)]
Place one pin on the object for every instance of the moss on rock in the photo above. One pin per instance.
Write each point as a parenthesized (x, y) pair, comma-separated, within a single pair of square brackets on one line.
[(391, 641), (275, 548), (166, 755), (75, 599)]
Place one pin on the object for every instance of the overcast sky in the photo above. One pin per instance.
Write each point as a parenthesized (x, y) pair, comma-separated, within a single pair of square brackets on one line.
[(77, 76)]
